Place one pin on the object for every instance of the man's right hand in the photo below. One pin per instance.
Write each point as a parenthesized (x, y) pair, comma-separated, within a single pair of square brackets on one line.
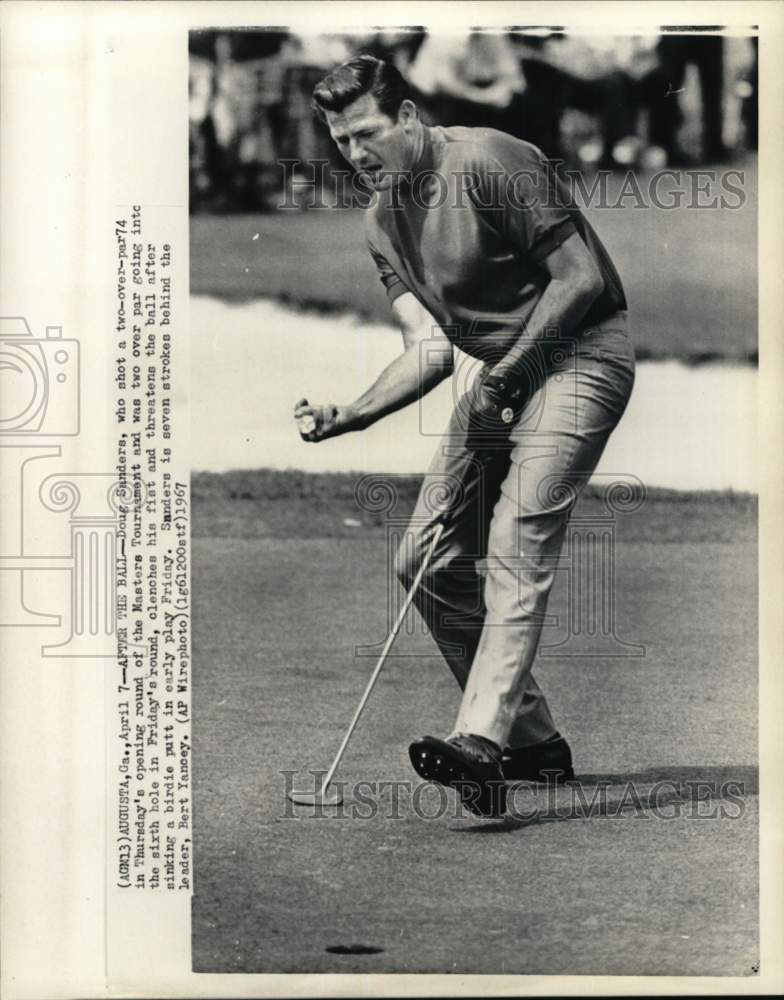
[(317, 423)]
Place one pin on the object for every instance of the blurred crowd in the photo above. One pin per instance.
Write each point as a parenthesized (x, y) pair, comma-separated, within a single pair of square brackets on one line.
[(591, 101)]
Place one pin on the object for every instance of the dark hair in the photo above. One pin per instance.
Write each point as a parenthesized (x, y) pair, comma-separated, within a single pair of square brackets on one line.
[(358, 76)]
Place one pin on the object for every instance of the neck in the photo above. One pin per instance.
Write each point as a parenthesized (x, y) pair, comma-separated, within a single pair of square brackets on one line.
[(420, 141), (401, 186)]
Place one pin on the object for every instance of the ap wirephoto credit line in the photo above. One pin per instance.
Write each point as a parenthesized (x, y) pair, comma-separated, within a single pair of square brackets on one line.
[(152, 747)]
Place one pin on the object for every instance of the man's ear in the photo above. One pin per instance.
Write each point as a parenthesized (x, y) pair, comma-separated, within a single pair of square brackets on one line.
[(407, 114)]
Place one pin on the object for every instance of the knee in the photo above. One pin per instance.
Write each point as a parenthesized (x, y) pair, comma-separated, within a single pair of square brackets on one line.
[(409, 556), (553, 496), (404, 564)]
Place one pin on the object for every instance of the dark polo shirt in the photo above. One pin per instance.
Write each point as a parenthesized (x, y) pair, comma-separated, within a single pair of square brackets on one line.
[(467, 234)]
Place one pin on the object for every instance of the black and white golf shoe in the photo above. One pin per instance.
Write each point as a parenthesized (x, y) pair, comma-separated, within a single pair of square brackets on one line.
[(469, 764)]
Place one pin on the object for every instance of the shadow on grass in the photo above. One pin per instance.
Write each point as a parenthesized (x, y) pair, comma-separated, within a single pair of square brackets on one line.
[(746, 775), (665, 793)]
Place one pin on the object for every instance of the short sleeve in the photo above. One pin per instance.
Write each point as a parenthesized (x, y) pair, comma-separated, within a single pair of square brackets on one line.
[(532, 206), (389, 277)]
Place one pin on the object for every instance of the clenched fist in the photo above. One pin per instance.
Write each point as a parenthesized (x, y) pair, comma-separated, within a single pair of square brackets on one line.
[(490, 409), (316, 423)]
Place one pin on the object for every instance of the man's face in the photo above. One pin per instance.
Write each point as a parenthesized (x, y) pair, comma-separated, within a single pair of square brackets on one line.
[(378, 146)]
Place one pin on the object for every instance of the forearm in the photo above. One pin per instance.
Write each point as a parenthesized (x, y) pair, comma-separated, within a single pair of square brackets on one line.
[(562, 306), (410, 376)]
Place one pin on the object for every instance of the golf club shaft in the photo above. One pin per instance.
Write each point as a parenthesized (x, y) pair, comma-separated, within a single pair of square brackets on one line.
[(390, 639)]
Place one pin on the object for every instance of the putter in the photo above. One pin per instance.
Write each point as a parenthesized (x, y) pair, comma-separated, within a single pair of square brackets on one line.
[(328, 795)]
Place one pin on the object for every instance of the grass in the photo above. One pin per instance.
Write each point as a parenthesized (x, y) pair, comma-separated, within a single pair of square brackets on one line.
[(270, 503), (284, 593)]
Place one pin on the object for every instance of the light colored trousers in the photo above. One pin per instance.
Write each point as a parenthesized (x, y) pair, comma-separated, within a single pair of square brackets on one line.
[(512, 511)]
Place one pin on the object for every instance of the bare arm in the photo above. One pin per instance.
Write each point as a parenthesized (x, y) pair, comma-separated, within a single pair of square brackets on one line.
[(575, 284), (426, 360)]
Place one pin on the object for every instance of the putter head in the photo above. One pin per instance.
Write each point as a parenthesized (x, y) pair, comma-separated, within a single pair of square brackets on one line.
[(328, 796)]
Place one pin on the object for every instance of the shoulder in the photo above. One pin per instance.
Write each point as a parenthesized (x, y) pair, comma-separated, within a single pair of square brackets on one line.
[(487, 149)]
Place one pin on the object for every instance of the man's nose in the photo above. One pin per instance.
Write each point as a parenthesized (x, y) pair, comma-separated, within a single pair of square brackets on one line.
[(356, 152)]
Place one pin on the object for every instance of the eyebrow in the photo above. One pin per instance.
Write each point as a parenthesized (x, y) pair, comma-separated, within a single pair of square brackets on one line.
[(361, 130)]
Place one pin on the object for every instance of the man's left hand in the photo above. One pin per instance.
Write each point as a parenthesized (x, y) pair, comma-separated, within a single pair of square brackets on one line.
[(503, 386), (494, 404), (496, 398)]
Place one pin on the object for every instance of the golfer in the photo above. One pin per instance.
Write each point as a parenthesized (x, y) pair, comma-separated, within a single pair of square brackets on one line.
[(479, 246)]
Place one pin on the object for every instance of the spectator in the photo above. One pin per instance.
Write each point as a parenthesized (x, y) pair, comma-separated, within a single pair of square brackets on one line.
[(567, 71), (750, 97), (470, 79), (660, 89), (202, 141), (309, 57), (398, 47)]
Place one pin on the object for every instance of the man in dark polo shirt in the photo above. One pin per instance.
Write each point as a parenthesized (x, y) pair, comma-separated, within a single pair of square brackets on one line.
[(480, 246)]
